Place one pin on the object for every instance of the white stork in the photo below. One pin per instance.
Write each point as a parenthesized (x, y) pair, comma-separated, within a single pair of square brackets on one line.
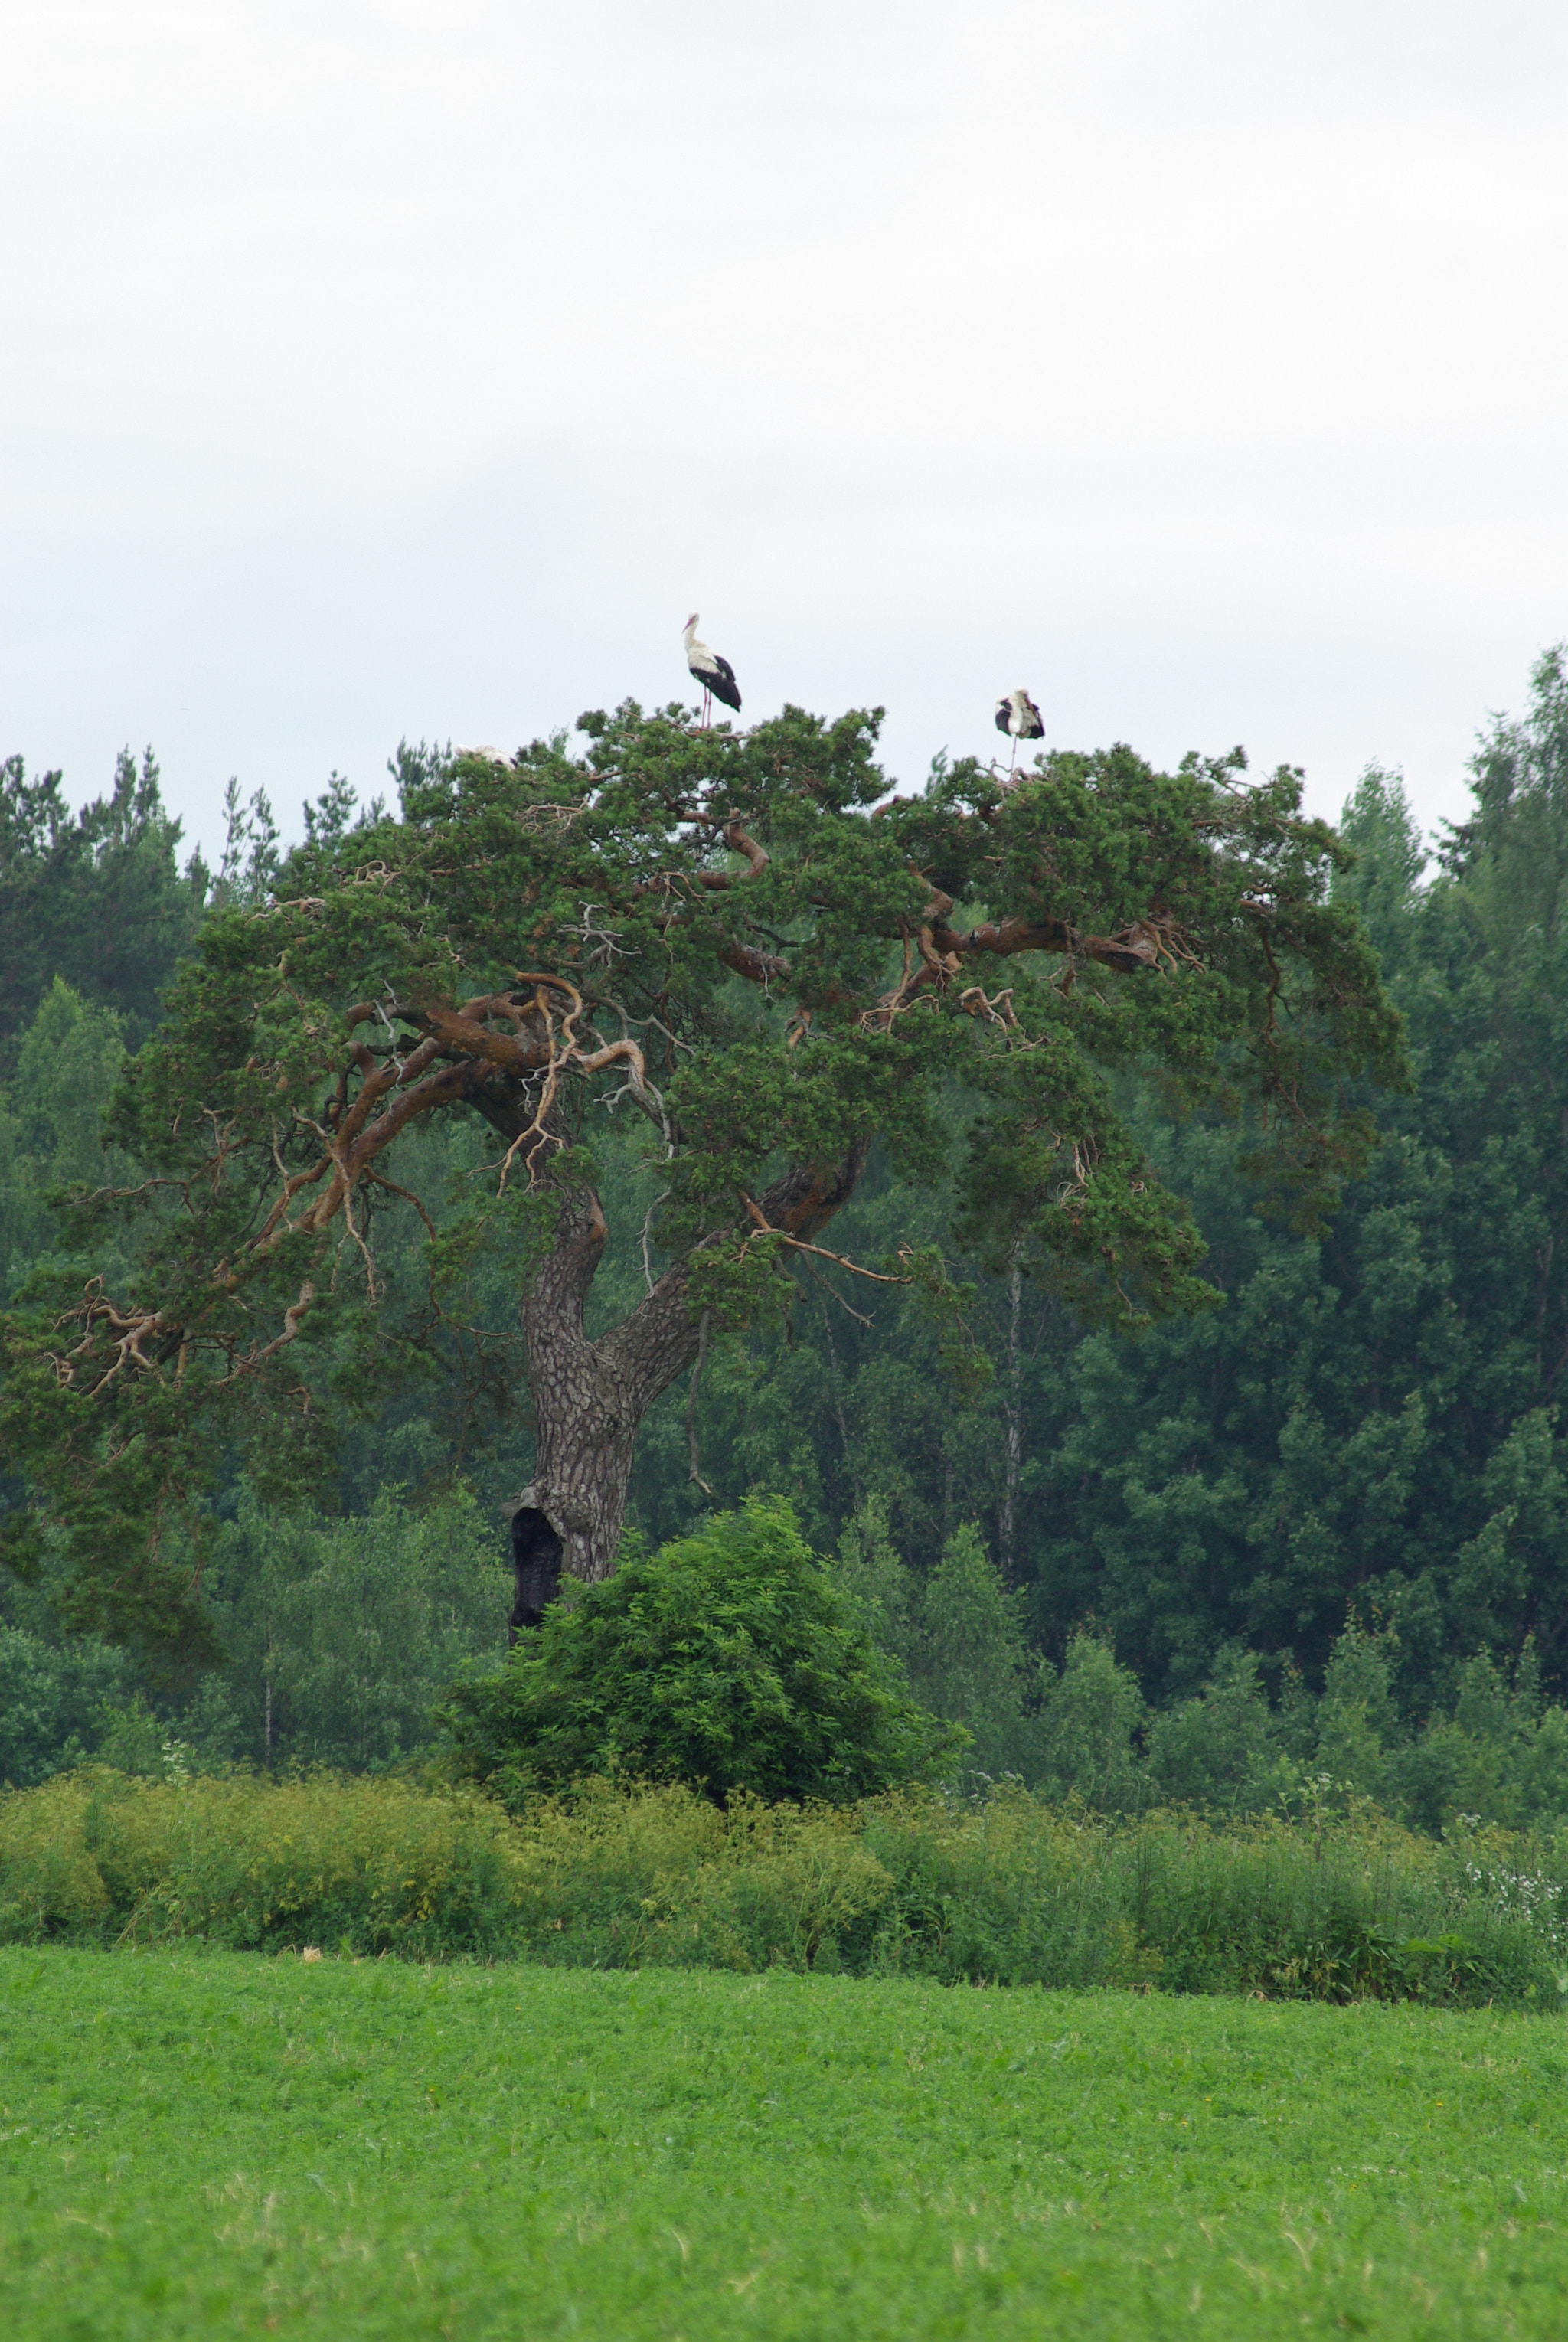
[(716, 674), (1017, 713)]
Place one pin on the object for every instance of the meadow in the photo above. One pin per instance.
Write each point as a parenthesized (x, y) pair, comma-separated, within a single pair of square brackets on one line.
[(196, 2142)]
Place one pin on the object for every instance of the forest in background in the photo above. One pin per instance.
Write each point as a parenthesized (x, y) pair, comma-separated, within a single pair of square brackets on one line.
[(1315, 1535)]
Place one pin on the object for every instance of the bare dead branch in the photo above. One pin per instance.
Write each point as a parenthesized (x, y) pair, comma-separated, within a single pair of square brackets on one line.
[(798, 1244)]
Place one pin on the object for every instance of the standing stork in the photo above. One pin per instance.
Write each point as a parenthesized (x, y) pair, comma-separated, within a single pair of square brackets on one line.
[(716, 674), (1017, 713)]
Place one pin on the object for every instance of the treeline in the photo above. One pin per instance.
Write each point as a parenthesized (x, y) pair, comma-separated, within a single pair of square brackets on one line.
[(1321, 1529), (344, 1636)]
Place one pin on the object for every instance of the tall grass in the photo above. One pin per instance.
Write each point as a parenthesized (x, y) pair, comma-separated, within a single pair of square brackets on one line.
[(342, 1861), (1005, 1890)]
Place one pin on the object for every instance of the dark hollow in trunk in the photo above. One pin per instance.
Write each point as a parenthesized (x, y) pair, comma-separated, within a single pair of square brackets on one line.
[(536, 1552)]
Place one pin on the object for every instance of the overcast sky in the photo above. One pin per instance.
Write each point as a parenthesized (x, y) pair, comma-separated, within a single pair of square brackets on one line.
[(372, 367)]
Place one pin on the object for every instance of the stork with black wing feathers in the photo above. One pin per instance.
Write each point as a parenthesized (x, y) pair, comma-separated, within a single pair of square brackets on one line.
[(716, 674), (1017, 713)]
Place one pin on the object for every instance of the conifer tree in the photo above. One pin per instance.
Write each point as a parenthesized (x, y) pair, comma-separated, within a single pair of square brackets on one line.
[(742, 941)]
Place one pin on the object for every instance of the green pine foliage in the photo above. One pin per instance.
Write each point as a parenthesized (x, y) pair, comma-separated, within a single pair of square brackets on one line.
[(1320, 1530), (742, 942), (728, 1660), (1375, 1413)]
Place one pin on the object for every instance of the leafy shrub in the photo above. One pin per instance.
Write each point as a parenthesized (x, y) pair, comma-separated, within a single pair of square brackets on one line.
[(662, 1878), (729, 1660), (1363, 1910), (1002, 1890), (50, 1883), (1015, 1891)]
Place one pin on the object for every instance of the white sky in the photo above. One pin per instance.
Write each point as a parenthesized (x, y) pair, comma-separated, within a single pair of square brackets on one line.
[(382, 366)]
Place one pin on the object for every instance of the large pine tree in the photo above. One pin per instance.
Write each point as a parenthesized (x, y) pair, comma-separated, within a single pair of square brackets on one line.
[(736, 939)]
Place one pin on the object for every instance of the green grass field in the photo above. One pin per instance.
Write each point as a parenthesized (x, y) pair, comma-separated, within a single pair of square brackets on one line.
[(201, 2144)]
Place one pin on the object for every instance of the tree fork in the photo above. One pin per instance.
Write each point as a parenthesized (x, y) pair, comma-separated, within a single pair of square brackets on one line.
[(591, 1397)]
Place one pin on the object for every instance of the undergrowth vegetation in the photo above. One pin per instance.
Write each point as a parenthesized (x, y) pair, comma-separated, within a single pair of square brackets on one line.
[(1002, 1889), (730, 1659)]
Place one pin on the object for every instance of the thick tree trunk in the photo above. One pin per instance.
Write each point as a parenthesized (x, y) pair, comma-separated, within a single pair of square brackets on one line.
[(590, 1397)]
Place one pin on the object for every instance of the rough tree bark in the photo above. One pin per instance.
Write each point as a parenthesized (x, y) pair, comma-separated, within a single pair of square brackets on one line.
[(590, 1397)]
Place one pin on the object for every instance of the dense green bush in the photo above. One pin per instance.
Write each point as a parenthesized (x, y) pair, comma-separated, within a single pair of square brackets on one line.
[(1017, 1892), (1003, 1889), (728, 1659)]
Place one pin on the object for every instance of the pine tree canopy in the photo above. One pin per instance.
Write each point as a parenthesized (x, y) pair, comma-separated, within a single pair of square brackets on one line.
[(742, 942)]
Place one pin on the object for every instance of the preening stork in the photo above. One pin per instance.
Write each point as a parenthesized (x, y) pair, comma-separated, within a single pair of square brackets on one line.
[(716, 674), (1017, 713)]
